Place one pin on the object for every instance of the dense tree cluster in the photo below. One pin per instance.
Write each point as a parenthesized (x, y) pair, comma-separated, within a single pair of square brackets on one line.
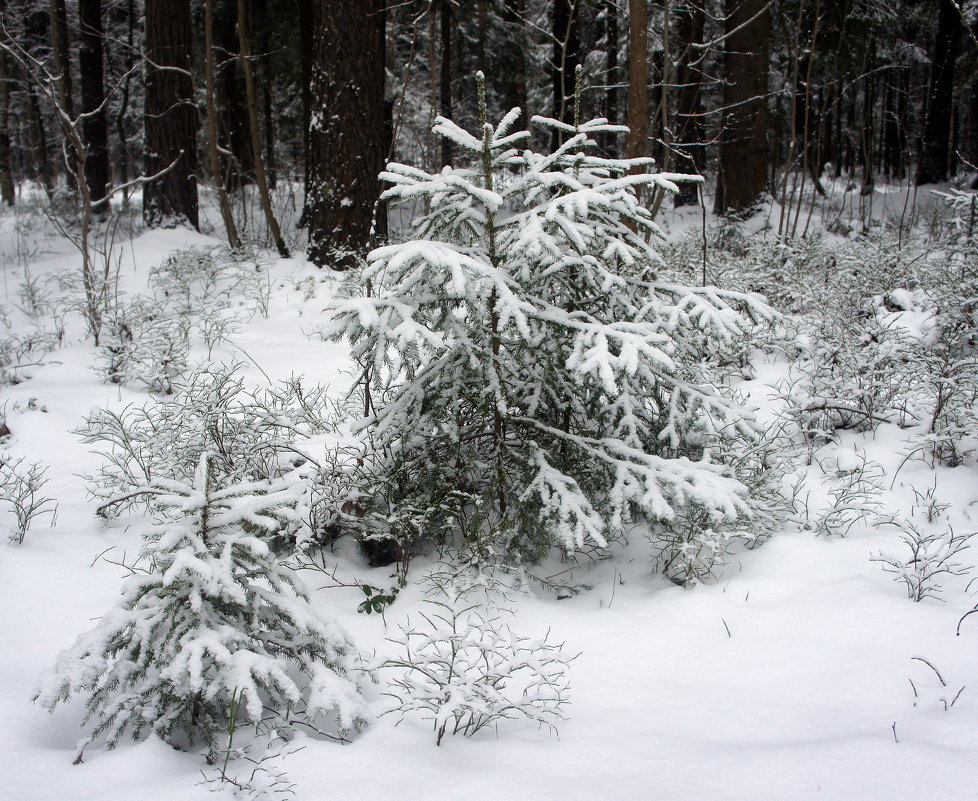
[(764, 97)]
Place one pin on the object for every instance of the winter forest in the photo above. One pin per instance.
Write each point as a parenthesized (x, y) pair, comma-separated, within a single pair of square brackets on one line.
[(495, 399)]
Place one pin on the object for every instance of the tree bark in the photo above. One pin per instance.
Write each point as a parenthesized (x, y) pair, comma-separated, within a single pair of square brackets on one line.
[(612, 76), (346, 145), (7, 192), (239, 166), (689, 26), (170, 116), (260, 178), (305, 69), (636, 143), (743, 165), (94, 126), (217, 175), (59, 49), (937, 128), (566, 57), (445, 74), (514, 61)]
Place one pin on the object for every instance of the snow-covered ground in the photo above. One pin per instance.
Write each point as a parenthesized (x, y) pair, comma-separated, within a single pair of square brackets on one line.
[(802, 672)]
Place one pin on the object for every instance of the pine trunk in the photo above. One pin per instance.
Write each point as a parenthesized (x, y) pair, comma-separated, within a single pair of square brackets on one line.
[(689, 24), (445, 74), (251, 94), (212, 144), (59, 49), (170, 117), (636, 144), (94, 127), (742, 172), (937, 128), (566, 57), (514, 58), (7, 192), (346, 145), (612, 77), (237, 157)]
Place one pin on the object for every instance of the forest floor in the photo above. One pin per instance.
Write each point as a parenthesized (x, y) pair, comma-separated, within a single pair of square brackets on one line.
[(800, 671)]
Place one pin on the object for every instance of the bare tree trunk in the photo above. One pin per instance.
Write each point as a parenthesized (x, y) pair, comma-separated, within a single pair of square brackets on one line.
[(265, 47), (346, 146), (743, 166), (566, 57), (612, 73), (126, 93), (170, 116), (690, 22), (212, 147), (514, 64), (59, 49), (239, 166), (266, 200), (445, 74), (7, 191), (937, 128), (94, 127), (305, 66), (636, 143)]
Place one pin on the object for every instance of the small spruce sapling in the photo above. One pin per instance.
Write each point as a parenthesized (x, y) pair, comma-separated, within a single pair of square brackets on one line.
[(527, 374), (212, 624)]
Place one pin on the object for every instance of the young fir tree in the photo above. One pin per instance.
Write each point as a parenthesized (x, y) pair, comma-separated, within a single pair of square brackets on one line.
[(530, 378), (214, 626)]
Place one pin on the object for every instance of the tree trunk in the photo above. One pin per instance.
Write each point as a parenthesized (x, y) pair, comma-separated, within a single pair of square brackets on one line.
[(445, 74), (636, 143), (250, 93), (233, 129), (59, 49), (94, 127), (612, 76), (689, 25), (566, 57), (7, 192), (126, 94), (170, 116), (514, 60), (346, 146), (305, 67), (937, 128), (742, 169), (217, 175)]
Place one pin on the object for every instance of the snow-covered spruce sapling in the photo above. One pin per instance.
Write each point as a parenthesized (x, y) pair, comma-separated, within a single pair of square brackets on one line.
[(212, 622), (525, 368), (464, 670)]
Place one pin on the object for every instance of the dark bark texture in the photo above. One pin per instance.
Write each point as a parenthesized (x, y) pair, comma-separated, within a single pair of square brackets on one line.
[(94, 128), (566, 56), (934, 147), (59, 49), (689, 22), (233, 127), (742, 170), (170, 117), (346, 129)]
